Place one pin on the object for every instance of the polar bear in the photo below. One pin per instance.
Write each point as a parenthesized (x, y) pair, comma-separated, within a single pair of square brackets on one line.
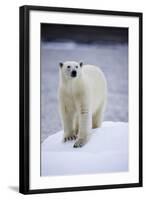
[(82, 96)]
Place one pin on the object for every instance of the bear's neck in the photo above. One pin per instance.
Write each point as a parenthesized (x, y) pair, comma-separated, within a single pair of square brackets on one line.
[(70, 85)]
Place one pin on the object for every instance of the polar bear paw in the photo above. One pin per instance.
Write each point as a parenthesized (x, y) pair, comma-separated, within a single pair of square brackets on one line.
[(69, 138), (80, 142)]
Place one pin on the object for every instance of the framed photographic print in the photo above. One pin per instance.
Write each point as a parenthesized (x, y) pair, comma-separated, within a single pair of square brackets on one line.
[(80, 99)]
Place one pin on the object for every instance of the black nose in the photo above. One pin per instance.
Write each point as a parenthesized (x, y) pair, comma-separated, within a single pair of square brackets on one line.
[(73, 73)]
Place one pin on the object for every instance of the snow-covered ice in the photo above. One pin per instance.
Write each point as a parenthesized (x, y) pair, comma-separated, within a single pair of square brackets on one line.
[(106, 151)]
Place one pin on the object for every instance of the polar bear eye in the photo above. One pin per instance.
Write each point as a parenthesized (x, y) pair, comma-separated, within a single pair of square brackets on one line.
[(76, 66), (68, 67)]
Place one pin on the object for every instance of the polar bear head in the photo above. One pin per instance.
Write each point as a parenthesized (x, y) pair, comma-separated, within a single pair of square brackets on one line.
[(71, 69)]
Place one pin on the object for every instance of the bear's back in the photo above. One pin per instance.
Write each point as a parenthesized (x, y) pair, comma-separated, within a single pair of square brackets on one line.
[(93, 74), (95, 82)]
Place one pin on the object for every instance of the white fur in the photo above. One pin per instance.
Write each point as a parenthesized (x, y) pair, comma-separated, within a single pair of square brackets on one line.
[(82, 100)]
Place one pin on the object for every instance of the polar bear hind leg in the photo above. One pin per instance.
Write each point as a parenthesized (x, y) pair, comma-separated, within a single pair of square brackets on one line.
[(97, 117)]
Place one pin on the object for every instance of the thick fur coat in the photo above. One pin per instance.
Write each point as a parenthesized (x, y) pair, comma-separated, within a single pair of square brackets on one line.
[(82, 100)]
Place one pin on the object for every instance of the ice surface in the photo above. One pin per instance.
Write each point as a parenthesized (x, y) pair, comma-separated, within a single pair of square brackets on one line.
[(106, 151)]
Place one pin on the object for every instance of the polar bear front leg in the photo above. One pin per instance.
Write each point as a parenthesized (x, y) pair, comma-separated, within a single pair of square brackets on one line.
[(69, 133), (84, 127), (67, 119)]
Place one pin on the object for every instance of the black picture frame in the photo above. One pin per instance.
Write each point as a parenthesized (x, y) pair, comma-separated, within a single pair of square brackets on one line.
[(24, 122)]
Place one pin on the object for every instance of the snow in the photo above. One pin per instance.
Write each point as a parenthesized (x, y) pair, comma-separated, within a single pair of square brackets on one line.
[(106, 151)]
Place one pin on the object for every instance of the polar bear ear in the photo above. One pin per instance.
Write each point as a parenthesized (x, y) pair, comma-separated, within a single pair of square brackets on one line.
[(81, 64), (61, 64)]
